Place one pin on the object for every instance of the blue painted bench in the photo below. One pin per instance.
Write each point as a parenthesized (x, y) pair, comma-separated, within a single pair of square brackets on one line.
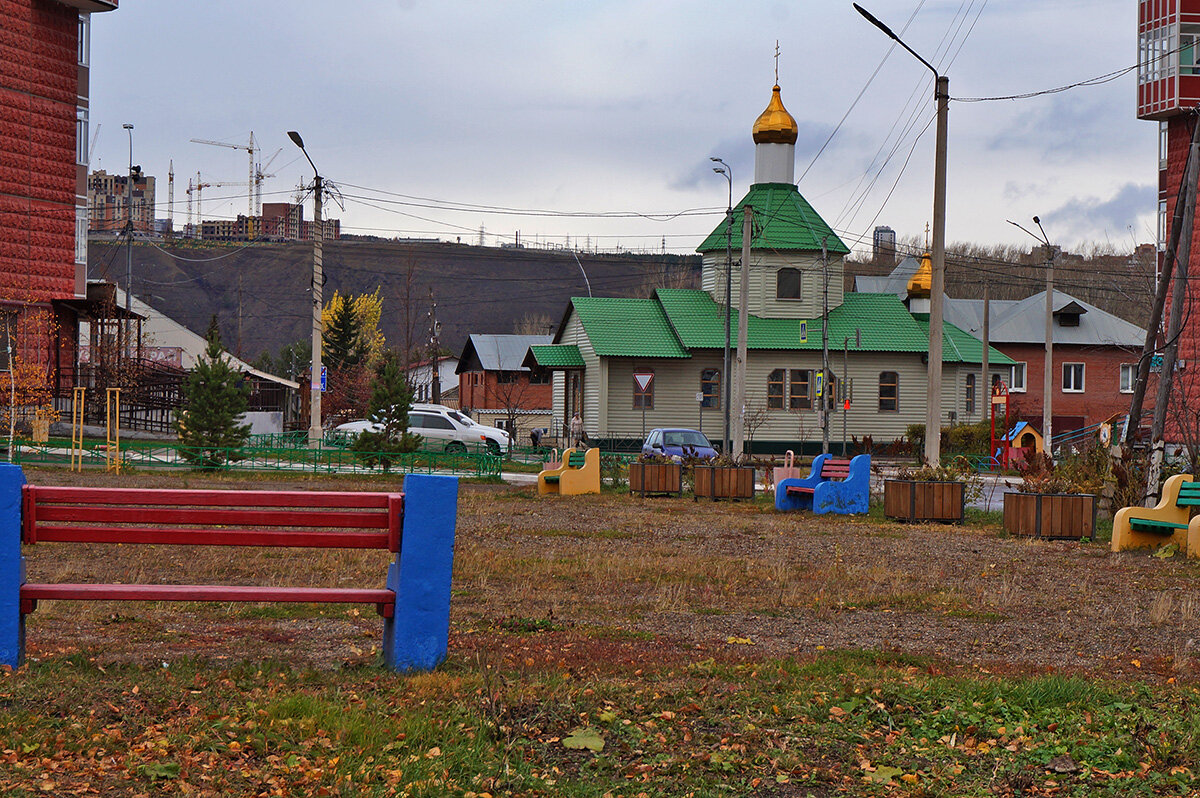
[(832, 486), (417, 526)]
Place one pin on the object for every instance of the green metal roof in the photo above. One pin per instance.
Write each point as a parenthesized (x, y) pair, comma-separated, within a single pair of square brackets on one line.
[(783, 220), (886, 324), (959, 346), (557, 355), (619, 327)]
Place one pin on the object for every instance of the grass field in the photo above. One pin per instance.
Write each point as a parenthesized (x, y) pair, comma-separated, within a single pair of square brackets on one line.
[(609, 645)]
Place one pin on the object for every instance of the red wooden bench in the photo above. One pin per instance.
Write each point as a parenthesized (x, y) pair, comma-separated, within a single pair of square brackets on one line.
[(307, 519), (831, 470)]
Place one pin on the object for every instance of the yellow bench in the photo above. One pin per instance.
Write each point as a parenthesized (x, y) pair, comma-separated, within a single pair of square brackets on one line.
[(578, 473), (1168, 522)]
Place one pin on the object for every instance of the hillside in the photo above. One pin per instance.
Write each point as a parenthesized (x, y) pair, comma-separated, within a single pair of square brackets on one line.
[(477, 289)]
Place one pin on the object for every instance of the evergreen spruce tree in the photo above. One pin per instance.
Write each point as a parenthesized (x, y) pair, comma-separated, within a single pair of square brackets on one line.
[(214, 397), (340, 340), (391, 399)]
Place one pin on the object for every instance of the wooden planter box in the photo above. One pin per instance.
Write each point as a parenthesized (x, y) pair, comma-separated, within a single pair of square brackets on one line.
[(724, 482), (909, 500), (662, 478), (1053, 516)]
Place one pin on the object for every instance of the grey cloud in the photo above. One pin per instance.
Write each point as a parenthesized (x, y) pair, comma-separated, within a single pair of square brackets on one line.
[(1089, 216)]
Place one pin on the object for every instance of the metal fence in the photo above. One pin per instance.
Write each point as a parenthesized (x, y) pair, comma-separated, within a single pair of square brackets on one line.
[(294, 459)]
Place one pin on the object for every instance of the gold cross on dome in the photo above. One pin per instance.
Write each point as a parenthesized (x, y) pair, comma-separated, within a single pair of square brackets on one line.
[(776, 60)]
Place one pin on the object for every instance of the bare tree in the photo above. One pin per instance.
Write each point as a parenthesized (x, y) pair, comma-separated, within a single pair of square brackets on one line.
[(534, 324)]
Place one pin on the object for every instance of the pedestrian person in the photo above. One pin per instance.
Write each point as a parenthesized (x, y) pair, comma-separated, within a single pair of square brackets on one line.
[(578, 437)]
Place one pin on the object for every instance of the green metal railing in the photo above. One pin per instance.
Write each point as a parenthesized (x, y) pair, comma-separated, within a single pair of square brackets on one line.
[(142, 454)]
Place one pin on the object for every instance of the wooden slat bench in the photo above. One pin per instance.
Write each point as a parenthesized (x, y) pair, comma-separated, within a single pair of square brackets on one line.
[(1169, 522), (832, 486), (418, 528)]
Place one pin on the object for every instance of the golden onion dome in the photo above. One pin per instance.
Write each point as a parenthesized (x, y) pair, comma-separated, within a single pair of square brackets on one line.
[(920, 285), (775, 125)]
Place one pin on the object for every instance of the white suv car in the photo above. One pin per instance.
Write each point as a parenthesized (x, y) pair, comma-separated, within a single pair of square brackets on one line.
[(443, 428)]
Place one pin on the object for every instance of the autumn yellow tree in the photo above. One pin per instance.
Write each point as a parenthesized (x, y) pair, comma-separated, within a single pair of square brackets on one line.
[(352, 346)]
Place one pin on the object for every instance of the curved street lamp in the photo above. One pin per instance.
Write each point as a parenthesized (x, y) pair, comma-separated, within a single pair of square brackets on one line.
[(933, 399), (315, 431), (726, 170)]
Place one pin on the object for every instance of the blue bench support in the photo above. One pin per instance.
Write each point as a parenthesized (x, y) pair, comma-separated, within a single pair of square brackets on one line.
[(12, 567), (417, 637), (822, 495)]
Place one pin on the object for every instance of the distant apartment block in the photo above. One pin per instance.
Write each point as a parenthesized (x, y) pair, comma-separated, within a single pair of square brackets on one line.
[(883, 246), (280, 221), (110, 203)]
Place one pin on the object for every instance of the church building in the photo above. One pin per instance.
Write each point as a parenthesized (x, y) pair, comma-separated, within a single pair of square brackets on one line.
[(630, 365)]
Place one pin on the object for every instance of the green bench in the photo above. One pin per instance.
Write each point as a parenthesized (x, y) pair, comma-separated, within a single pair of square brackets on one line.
[(575, 460), (1189, 496), (579, 472), (1169, 522)]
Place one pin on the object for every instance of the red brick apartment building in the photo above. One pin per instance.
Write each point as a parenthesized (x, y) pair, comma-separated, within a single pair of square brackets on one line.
[(497, 388), (1168, 92), (44, 83)]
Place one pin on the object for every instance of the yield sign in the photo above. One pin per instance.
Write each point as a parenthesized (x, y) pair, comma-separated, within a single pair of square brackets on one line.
[(643, 379)]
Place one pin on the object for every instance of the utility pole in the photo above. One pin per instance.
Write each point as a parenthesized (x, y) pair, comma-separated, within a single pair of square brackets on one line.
[(986, 390), (434, 330), (824, 397), (128, 244), (845, 371), (1187, 187), (315, 431), (933, 415), (1048, 375), (1166, 379), (739, 432)]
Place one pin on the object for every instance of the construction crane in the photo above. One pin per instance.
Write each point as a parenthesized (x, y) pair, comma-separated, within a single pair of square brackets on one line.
[(250, 148), (259, 176)]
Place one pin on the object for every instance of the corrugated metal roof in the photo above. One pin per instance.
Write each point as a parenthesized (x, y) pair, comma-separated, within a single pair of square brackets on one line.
[(556, 356), (619, 327), (498, 352), (783, 220), (1019, 321)]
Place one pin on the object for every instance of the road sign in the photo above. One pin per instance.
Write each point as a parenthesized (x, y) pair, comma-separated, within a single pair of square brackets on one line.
[(820, 384), (643, 379), (1156, 364), (324, 377), (804, 332)]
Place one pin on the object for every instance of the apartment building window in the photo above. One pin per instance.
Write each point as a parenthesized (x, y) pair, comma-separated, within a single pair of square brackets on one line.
[(1072, 378), (1128, 377), (787, 284), (1018, 378), (81, 136), (85, 39), (81, 234), (775, 390), (970, 397), (710, 388), (643, 394), (889, 391), (801, 386), (1162, 145)]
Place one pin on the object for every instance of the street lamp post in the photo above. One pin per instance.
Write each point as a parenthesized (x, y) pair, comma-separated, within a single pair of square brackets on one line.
[(314, 412), (727, 171), (933, 401)]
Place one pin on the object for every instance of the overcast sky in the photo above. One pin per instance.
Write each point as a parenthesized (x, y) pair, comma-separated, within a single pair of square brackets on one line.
[(607, 109)]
